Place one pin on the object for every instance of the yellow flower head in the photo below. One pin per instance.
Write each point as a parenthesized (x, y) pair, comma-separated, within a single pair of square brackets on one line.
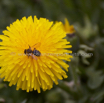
[(32, 54), (69, 29)]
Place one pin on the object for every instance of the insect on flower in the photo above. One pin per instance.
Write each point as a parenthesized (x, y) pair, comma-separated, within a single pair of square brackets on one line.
[(32, 53)]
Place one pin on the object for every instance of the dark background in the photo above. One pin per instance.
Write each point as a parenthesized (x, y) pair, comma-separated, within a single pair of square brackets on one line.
[(85, 82)]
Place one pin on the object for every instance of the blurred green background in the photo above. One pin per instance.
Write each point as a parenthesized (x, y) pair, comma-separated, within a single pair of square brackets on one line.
[(85, 82)]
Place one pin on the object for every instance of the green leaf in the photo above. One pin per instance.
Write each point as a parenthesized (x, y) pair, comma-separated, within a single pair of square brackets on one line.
[(95, 79)]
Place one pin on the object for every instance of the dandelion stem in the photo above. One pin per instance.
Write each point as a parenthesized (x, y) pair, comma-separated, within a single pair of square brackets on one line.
[(75, 78)]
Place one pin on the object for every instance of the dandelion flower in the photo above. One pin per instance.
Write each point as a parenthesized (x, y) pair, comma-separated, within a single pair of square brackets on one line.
[(32, 53), (69, 29)]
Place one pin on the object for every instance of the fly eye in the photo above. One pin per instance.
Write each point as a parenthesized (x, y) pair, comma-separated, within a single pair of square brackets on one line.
[(29, 51), (25, 51)]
